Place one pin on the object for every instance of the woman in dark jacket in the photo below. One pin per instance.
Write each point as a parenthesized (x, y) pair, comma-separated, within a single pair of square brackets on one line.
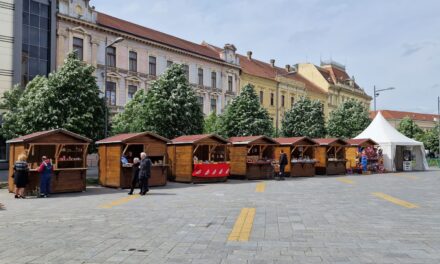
[(21, 171), (134, 175)]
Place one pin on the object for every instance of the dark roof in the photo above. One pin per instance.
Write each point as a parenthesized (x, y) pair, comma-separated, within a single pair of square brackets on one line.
[(193, 139), (249, 139), (294, 140), (35, 135), (330, 141), (122, 138), (155, 36), (361, 142)]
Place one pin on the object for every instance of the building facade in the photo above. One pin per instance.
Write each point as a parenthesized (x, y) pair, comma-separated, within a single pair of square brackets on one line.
[(142, 56), (334, 80), (424, 121)]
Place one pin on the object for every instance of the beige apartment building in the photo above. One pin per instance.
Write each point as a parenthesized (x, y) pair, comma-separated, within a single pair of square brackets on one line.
[(143, 55), (424, 121), (333, 78)]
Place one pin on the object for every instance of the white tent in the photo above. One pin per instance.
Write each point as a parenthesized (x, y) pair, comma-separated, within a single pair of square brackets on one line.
[(393, 143)]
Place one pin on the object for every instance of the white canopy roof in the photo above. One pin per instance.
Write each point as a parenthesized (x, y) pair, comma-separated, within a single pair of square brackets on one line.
[(383, 132)]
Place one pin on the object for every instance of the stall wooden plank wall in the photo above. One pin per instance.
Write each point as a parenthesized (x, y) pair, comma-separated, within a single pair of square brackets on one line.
[(350, 155), (321, 157), (238, 156), (181, 160), (110, 165)]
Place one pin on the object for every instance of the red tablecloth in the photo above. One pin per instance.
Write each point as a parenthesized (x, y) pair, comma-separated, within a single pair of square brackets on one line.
[(211, 170)]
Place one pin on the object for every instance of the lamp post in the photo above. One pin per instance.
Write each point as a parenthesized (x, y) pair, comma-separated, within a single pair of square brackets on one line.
[(376, 94), (105, 80)]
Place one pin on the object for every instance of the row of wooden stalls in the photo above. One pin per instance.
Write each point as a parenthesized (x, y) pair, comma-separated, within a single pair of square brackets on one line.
[(191, 159)]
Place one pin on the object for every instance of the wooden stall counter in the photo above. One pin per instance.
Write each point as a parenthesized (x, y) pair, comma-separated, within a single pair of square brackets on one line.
[(259, 170), (302, 168), (63, 180), (336, 167), (331, 156)]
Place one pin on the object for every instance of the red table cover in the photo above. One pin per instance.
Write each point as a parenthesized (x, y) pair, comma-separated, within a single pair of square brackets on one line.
[(211, 170)]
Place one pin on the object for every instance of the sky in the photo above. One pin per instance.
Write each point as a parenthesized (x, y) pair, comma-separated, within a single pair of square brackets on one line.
[(392, 43)]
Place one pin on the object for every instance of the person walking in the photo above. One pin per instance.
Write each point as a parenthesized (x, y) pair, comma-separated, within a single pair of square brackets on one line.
[(144, 173), (45, 171), (21, 174), (283, 163), (134, 175)]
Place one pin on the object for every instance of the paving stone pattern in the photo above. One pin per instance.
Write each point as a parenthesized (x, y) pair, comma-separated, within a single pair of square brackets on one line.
[(303, 220)]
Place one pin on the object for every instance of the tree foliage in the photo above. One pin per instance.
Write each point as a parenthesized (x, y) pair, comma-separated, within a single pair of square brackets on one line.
[(306, 118), (170, 108), (409, 128), (244, 116), (211, 124), (68, 98), (348, 120), (430, 139)]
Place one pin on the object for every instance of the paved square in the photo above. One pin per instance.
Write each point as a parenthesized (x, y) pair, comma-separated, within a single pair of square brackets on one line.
[(352, 219)]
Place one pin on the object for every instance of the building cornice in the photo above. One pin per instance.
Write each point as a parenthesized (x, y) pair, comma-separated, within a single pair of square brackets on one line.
[(142, 40)]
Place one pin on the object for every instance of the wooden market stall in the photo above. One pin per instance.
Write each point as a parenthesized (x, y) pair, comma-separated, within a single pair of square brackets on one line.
[(68, 152), (114, 173), (353, 154), (330, 156), (251, 157), (300, 153), (199, 158)]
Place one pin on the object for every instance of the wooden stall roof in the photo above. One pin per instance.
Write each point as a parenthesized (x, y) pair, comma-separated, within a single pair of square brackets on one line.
[(195, 139), (362, 142), (296, 141), (123, 138), (252, 140), (331, 142), (42, 134)]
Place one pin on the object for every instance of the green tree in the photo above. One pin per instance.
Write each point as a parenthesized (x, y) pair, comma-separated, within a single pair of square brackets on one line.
[(170, 108), (430, 139), (306, 118), (409, 128), (68, 98), (348, 120), (211, 124), (10, 98), (245, 116)]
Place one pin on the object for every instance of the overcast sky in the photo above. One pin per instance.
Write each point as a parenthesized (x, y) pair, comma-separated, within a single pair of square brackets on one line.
[(383, 43)]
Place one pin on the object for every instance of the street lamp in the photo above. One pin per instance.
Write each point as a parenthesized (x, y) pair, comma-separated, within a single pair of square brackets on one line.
[(376, 94), (120, 39)]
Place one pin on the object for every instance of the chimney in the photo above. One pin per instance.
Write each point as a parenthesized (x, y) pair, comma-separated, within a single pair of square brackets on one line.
[(249, 55), (287, 67), (272, 63)]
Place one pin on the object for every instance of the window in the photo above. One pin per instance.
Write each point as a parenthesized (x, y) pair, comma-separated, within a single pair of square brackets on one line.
[(169, 63), (152, 65), (261, 97), (271, 99), (110, 93), (200, 99), (132, 89), (230, 83), (292, 101), (282, 100), (186, 71), (78, 48), (111, 56), (214, 105), (133, 60), (200, 74), (213, 80)]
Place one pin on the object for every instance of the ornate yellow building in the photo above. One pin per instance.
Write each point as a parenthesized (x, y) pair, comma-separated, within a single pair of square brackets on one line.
[(334, 80)]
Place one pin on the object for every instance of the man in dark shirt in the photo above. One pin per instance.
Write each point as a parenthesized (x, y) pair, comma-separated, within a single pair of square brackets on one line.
[(144, 173), (283, 163)]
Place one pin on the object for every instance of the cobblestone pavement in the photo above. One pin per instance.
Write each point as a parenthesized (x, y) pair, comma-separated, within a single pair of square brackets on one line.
[(303, 220)]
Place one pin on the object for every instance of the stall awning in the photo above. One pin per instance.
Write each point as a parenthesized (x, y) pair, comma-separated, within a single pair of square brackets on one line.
[(362, 142), (296, 140), (194, 139), (40, 134), (249, 140), (331, 142), (123, 138)]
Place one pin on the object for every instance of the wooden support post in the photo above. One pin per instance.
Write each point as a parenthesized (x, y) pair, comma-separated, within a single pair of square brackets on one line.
[(197, 147)]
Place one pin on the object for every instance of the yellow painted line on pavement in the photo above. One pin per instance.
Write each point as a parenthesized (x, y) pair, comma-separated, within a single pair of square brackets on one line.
[(395, 200), (344, 180), (243, 225), (261, 187), (120, 201), (406, 176)]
